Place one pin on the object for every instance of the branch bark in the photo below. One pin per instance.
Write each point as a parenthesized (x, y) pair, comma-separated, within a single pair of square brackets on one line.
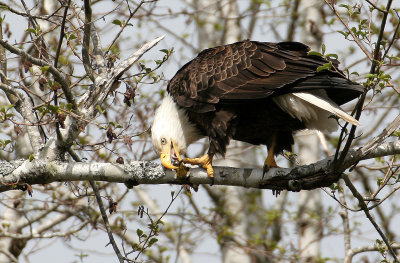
[(16, 174)]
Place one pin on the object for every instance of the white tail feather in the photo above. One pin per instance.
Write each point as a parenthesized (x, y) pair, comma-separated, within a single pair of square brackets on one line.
[(326, 105)]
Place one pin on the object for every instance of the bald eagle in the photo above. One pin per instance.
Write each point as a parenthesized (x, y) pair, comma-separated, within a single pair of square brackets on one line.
[(255, 92)]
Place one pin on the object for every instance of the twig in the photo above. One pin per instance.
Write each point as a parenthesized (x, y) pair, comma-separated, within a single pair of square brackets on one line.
[(358, 250), (364, 207), (157, 222), (349, 30), (105, 219), (9, 255), (131, 14), (373, 69), (60, 41), (59, 77), (102, 210), (381, 10), (86, 37), (346, 224)]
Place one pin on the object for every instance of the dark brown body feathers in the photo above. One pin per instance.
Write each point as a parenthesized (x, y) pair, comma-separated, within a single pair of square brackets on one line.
[(227, 91)]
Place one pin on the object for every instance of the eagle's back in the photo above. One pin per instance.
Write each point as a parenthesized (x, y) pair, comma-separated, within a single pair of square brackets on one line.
[(250, 70)]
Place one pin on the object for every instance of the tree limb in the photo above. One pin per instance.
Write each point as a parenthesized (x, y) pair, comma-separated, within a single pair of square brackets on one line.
[(58, 75), (17, 174)]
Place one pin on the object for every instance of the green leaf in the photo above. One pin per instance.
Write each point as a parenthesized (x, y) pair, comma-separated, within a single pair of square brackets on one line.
[(31, 157), (100, 109), (139, 232), (31, 30), (10, 106), (70, 37), (117, 22), (152, 241), (53, 108), (166, 51), (44, 69), (323, 48), (331, 55), (314, 53), (345, 34), (326, 66), (345, 6), (6, 142)]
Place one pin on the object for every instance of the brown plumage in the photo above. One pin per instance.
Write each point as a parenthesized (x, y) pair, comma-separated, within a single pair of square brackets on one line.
[(252, 91), (232, 85)]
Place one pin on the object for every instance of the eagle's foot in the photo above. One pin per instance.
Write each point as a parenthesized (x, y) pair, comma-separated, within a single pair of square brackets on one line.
[(269, 163), (205, 161)]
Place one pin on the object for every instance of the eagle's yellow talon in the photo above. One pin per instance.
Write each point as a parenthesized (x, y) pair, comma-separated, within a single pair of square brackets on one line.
[(205, 161)]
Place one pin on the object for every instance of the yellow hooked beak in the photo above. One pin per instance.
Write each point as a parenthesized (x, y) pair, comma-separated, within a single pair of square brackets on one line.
[(166, 156)]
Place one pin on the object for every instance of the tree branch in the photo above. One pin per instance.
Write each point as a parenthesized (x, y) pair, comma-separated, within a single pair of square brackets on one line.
[(58, 76), (104, 85), (369, 216), (17, 174), (358, 250)]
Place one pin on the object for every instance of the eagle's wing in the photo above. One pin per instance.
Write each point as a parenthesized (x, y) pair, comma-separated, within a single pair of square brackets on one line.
[(251, 70)]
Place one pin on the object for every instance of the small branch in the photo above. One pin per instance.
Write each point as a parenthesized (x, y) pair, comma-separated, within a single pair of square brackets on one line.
[(9, 255), (102, 210), (358, 250), (373, 69), (131, 14), (24, 106), (86, 38), (377, 8), (346, 223), (42, 236), (58, 76), (364, 207), (294, 17), (61, 34), (349, 30), (105, 219), (104, 85)]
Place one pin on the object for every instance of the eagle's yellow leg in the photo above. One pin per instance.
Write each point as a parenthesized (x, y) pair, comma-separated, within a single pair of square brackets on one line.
[(270, 161), (205, 161)]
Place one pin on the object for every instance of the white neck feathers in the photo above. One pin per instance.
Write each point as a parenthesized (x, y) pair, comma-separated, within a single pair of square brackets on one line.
[(171, 122)]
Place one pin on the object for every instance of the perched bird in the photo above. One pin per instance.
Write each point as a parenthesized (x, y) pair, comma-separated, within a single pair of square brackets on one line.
[(255, 92)]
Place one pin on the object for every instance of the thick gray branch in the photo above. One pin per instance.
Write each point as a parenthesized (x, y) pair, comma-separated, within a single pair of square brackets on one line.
[(24, 106), (17, 174)]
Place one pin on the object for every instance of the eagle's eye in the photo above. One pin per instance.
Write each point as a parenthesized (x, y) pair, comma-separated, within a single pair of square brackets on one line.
[(163, 141)]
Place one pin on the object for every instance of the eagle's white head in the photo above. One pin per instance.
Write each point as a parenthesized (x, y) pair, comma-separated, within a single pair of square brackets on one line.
[(172, 132)]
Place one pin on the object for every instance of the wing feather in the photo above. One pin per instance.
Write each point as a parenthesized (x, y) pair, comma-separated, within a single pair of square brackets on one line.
[(250, 70)]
